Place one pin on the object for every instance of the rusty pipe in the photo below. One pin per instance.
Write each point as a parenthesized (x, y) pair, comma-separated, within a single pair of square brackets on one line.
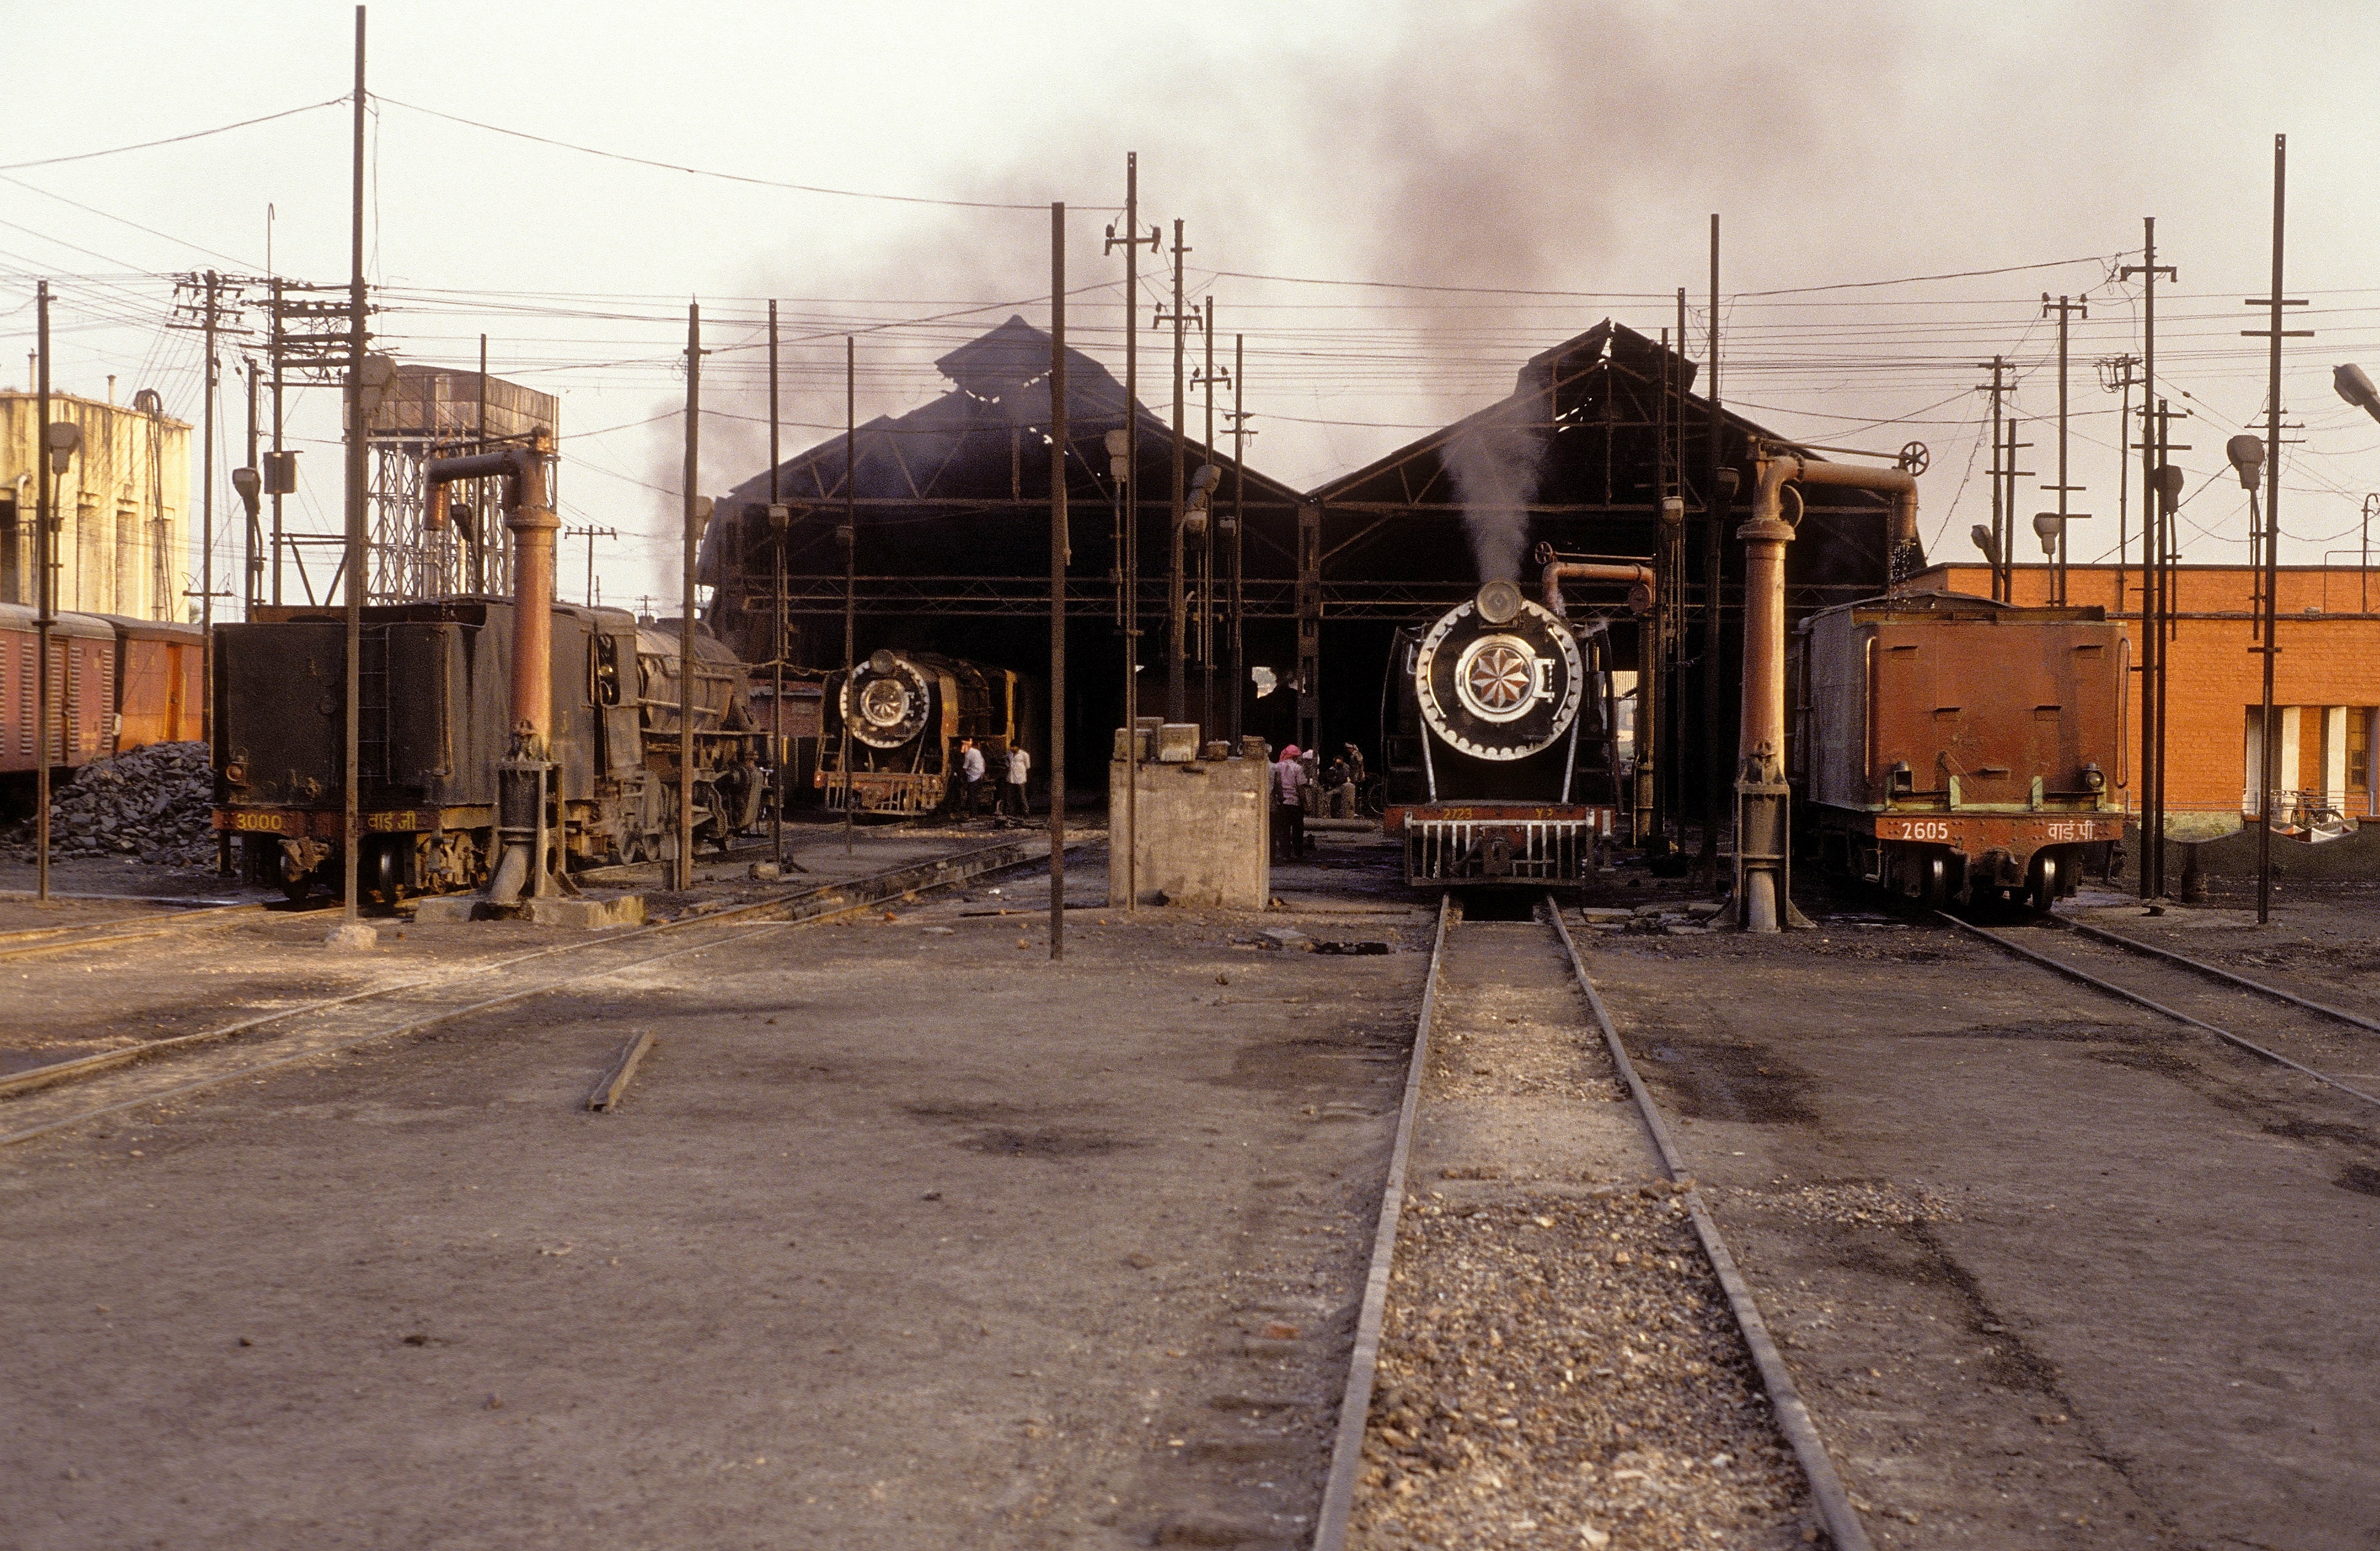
[(1762, 798), (530, 515), (1559, 571)]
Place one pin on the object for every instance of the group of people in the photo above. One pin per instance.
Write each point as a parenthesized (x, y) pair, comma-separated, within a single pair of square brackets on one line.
[(1300, 789), (968, 794)]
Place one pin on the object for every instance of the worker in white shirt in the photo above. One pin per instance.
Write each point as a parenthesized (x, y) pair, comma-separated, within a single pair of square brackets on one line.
[(971, 779), (1012, 792)]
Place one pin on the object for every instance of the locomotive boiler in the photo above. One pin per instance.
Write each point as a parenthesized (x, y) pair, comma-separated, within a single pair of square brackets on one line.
[(907, 712), (437, 732), (1958, 750), (1498, 732)]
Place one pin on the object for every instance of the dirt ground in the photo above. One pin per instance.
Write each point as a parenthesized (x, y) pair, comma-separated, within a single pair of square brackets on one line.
[(904, 1236), (2052, 1271)]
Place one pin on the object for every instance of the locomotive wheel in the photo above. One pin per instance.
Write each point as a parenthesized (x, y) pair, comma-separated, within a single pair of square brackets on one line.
[(386, 869), (295, 889), (1938, 882), (2044, 887)]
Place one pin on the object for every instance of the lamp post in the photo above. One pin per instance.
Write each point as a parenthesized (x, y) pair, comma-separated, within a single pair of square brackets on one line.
[(2247, 456)]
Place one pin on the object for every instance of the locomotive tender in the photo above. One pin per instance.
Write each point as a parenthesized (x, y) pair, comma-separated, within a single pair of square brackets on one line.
[(1956, 749), (437, 725), (1500, 743), (907, 712)]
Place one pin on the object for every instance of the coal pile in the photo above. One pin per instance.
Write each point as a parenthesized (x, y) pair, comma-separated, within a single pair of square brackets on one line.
[(151, 805)]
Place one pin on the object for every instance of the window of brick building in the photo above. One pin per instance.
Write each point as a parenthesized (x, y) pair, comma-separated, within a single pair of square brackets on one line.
[(2358, 760)]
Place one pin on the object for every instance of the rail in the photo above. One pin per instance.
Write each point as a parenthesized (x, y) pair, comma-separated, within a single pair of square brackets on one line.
[(2124, 993), (1828, 1495)]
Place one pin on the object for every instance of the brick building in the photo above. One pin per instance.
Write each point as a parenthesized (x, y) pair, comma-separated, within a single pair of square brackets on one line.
[(2326, 686)]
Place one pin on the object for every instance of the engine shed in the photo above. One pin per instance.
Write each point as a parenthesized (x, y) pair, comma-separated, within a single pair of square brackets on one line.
[(950, 516)]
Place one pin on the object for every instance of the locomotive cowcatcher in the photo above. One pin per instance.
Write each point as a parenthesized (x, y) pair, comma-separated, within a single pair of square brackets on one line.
[(1955, 749), (1498, 728)]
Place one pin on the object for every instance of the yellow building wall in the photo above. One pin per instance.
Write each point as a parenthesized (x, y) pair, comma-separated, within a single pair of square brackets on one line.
[(123, 506), (2327, 674)]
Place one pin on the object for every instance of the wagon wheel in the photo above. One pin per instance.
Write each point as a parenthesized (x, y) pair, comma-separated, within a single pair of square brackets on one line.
[(1914, 457)]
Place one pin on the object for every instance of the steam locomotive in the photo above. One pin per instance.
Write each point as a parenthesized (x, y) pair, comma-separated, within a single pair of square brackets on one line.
[(435, 727), (907, 712), (1958, 750), (1498, 723)]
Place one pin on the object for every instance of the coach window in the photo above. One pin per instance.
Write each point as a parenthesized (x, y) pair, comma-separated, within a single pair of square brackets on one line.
[(13, 565)]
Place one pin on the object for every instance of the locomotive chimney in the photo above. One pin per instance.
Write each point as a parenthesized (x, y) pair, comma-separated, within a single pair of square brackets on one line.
[(1763, 860)]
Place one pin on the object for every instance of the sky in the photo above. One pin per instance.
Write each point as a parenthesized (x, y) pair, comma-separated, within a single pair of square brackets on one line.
[(1391, 205)]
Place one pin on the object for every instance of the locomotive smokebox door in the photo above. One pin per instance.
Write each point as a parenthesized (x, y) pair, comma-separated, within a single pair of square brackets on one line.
[(1499, 678)]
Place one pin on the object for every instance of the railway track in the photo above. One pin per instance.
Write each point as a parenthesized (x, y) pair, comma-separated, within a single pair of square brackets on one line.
[(2326, 1044), (45, 1099), (1360, 1420), (32, 941)]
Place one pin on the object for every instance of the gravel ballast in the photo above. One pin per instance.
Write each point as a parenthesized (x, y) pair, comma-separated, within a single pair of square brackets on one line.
[(1564, 1372)]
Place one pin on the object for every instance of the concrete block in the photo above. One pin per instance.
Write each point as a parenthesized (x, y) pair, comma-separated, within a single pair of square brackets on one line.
[(1177, 743), (587, 912), (1201, 836), (445, 907)]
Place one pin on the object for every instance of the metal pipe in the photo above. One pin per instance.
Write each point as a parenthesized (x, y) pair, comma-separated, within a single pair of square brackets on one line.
[(1559, 571), (529, 517), (1762, 799), (685, 590)]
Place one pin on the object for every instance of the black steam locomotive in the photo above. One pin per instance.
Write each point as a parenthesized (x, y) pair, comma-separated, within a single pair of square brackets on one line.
[(907, 712), (435, 727), (1498, 725)]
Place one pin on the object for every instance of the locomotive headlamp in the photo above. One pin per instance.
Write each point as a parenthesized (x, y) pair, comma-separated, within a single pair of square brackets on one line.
[(1499, 602), (2094, 778), (1903, 779)]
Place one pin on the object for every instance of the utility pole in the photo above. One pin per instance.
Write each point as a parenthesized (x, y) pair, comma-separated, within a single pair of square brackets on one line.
[(1128, 571), (1206, 550), (2000, 516), (1060, 552), (2155, 581), (252, 556), (689, 483), (1716, 784), (1235, 719), (1176, 689), (44, 593), (2066, 308), (351, 932), (849, 534), (780, 528), (591, 535), (2121, 368), (278, 482), (2270, 567)]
